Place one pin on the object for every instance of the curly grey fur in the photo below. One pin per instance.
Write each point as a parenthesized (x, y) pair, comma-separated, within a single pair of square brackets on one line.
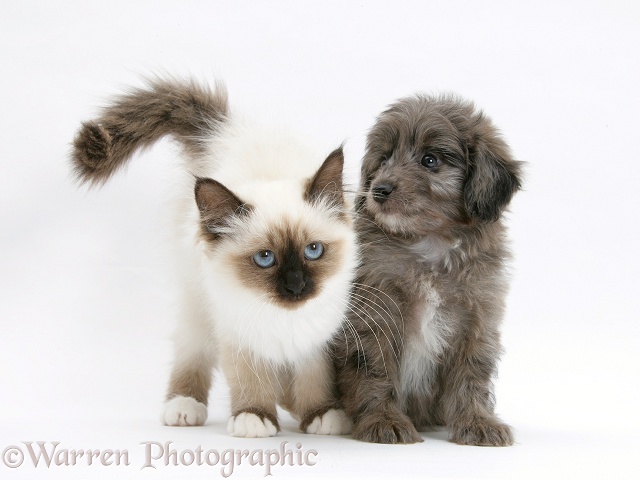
[(423, 338)]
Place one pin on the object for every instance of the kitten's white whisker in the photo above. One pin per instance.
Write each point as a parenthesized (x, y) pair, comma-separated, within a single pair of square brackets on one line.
[(362, 313), (360, 349), (362, 318), (342, 309), (380, 309), (377, 290)]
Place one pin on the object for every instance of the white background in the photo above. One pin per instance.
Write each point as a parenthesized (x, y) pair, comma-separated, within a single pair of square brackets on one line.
[(86, 302)]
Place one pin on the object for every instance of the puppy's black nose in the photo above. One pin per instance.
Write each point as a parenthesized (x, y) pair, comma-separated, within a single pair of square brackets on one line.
[(381, 192)]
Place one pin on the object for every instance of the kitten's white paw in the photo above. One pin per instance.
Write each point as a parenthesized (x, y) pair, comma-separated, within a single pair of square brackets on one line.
[(250, 425), (332, 422), (184, 411)]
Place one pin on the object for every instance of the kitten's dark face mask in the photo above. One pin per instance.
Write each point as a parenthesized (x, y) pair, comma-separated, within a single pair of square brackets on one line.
[(293, 272), (293, 269)]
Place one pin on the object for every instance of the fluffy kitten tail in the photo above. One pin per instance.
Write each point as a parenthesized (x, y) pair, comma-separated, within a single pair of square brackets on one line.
[(136, 120)]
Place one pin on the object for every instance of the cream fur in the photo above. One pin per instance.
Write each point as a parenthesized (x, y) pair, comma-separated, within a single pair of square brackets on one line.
[(269, 169), (247, 187)]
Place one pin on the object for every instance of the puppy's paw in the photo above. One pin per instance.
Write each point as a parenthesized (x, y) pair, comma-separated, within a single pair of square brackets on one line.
[(332, 422), (184, 411), (482, 431), (386, 429), (250, 425)]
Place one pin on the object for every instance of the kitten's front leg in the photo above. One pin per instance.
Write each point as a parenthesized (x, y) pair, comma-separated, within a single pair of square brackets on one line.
[(189, 386), (254, 388), (190, 381), (314, 398)]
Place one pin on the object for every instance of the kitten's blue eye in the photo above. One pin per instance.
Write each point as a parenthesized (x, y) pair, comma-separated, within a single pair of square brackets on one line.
[(264, 258), (313, 251)]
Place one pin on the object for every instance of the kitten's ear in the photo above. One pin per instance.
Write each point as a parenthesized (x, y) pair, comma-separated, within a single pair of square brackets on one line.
[(217, 205), (492, 179), (326, 184)]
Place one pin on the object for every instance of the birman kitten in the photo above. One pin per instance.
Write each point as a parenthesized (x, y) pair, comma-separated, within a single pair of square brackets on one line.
[(265, 248)]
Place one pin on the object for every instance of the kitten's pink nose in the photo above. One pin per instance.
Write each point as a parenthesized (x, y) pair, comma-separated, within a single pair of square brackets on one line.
[(294, 282)]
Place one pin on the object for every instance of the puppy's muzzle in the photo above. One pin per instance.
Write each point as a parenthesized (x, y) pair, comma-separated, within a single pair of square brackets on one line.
[(381, 191)]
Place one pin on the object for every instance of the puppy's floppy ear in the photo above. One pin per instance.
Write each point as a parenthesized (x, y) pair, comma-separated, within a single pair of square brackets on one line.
[(492, 177)]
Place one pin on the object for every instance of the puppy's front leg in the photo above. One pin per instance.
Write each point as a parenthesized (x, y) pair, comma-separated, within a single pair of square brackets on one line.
[(467, 400), (367, 361)]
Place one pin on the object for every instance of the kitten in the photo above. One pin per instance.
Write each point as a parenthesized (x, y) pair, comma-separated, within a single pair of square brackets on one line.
[(266, 252), (436, 178)]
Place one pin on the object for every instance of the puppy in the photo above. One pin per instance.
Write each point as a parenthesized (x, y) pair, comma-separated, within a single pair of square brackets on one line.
[(422, 339)]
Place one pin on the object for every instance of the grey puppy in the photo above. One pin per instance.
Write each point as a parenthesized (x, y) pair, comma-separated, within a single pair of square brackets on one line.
[(423, 337)]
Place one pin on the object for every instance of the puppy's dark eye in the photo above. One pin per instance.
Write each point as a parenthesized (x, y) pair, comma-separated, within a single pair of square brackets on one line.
[(430, 161), (383, 160)]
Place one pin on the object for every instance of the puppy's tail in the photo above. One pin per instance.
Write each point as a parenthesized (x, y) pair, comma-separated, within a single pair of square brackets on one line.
[(136, 120)]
